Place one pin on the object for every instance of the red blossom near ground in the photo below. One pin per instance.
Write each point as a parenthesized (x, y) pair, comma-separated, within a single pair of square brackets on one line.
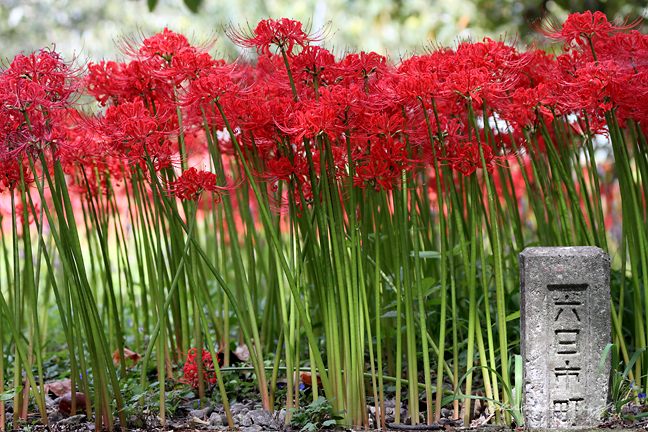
[(283, 33), (190, 369)]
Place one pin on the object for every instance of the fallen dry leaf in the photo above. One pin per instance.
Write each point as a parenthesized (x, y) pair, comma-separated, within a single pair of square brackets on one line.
[(131, 358), (307, 379), (65, 404), (59, 388), (242, 352)]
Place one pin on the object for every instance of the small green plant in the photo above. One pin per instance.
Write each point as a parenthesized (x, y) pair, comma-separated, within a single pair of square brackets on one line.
[(315, 416), (513, 405), (623, 389)]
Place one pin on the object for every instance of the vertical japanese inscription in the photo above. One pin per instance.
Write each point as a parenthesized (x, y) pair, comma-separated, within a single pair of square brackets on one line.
[(564, 328), (569, 334)]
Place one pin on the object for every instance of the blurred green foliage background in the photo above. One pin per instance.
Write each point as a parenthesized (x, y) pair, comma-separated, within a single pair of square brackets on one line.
[(88, 29)]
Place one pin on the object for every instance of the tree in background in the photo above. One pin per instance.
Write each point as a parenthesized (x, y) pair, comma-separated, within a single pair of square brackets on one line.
[(88, 29)]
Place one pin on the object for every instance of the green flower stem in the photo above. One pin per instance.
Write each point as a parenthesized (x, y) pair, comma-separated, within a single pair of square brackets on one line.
[(497, 258), (284, 264), (380, 404), (242, 282), (217, 369)]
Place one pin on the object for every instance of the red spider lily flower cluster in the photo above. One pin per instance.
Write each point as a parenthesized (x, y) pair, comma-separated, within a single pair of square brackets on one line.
[(284, 33), (190, 369), (192, 183), (299, 114), (36, 94)]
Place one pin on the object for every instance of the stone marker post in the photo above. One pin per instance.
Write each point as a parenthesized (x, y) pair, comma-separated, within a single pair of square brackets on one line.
[(564, 327)]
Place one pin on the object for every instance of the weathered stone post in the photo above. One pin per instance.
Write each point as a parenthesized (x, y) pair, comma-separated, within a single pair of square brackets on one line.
[(564, 327)]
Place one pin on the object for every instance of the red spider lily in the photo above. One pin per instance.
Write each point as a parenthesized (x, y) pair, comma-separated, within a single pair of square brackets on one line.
[(20, 212), (46, 70), (362, 66), (465, 158), (164, 45), (35, 93), (10, 173), (381, 164), (424, 85), (527, 104), (190, 369), (580, 28), (284, 33), (215, 84), (162, 48), (313, 67), (349, 103), (136, 136), (471, 85), (597, 86), (125, 82), (192, 183), (308, 120), (624, 47), (296, 173), (89, 160)]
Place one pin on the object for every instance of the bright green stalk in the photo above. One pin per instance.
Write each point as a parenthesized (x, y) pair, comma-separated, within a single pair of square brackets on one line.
[(101, 229), (351, 264), (91, 315), (631, 207), (497, 258), (3, 418), (594, 179), (198, 318), (423, 319), (483, 361), (21, 354), (220, 280), (400, 205), (380, 414), (65, 309), (580, 228), (472, 292), (287, 342), (160, 325), (17, 312), (30, 288), (399, 332), (217, 369), (242, 282), (489, 327), (367, 316), (344, 314), (275, 367), (284, 264), (328, 278)]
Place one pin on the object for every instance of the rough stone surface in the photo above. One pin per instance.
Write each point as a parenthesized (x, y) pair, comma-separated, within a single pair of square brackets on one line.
[(253, 428), (73, 421), (215, 419), (280, 416), (237, 408), (202, 414), (54, 417), (262, 418), (564, 327)]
